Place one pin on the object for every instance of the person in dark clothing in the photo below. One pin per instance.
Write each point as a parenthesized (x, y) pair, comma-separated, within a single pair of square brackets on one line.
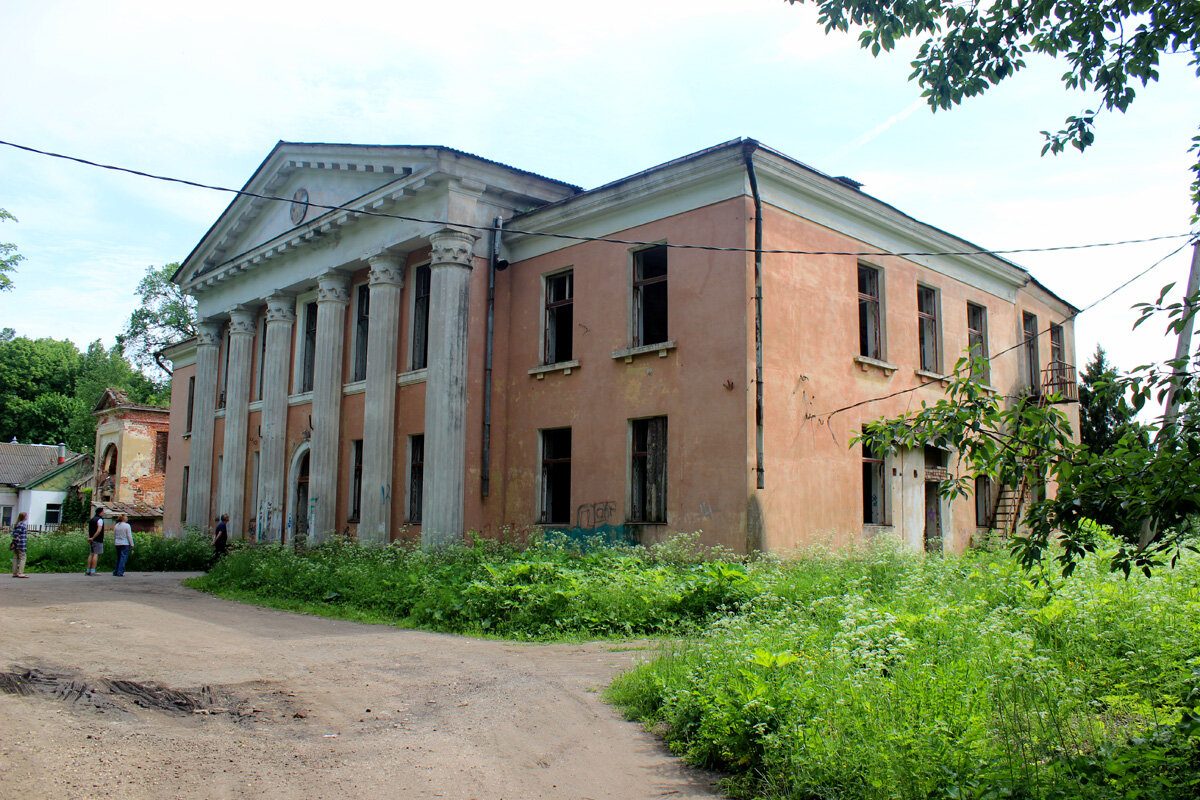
[(220, 542), (95, 537), (19, 546)]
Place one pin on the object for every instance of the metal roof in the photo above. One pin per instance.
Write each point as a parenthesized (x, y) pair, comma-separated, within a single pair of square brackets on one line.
[(24, 463)]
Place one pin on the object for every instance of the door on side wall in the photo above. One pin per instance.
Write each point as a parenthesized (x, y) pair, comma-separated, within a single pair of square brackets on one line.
[(300, 515), (935, 472)]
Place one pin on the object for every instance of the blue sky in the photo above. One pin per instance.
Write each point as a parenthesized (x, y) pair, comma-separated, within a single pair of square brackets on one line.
[(583, 93)]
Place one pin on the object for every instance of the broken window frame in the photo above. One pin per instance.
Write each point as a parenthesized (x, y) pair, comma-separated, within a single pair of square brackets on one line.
[(1029, 350), (558, 316), (977, 340), (554, 487), (875, 488), (648, 439), (650, 308), (416, 476), (356, 471), (308, 351), (929, 329), (362, 328), (870, 312), (422, 282)]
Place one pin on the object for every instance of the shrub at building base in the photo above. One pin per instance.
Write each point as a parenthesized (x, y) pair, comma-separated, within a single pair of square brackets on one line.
[(66, 551)]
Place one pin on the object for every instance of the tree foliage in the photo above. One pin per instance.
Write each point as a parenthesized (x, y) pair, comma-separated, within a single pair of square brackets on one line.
[(1104, 413), (48, 389), (165, 315), (9, 257), (1111, 47)]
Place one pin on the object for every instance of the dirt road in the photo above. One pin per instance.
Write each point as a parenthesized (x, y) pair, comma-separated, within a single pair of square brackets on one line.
[(136, 687)]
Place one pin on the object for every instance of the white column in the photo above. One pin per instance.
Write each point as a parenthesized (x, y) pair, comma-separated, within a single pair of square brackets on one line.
[(446, 388), (332, 299), (379, 413), (281, 317), (237, 412), (204, 406)]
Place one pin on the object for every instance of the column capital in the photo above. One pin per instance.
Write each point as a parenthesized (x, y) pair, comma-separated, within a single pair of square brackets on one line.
[(242, 319), (452, 247), (387, 268), (332, 287), (281, 308), (208, 333)]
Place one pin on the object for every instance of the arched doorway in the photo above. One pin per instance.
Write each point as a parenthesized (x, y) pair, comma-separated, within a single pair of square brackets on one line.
[(296, 528)]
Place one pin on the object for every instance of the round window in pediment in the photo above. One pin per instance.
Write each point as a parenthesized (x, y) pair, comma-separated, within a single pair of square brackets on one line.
[(299, 206)]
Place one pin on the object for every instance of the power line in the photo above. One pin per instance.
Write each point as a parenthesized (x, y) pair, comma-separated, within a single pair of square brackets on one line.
[(573, 237), (829, 415)]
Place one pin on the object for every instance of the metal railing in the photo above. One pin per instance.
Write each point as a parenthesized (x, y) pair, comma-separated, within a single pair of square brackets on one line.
[(1058, 378)]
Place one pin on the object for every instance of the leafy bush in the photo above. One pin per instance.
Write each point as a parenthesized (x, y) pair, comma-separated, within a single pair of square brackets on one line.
[(67, 551)]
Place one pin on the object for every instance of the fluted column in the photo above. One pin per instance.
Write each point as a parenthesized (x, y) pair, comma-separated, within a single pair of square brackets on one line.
[(379, 414), (237, 414), (204, 406), (446, 388), (332, 299), (281, 317)]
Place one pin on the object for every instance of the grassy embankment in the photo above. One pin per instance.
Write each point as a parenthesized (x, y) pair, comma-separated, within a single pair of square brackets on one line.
[(874, 675), (67, 551)]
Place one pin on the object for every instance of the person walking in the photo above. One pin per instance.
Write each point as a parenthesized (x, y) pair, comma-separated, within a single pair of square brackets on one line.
[(220, 542), (123, 541), (95, 539), (20, 543)]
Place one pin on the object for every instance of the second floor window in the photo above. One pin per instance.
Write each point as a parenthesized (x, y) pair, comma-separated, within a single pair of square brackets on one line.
[(650, 296), (929, 329), (870, 317), (420, 318), (309, 361), (362, 327), (977, 345), (560, 317), (191, 401), (1029, 344)]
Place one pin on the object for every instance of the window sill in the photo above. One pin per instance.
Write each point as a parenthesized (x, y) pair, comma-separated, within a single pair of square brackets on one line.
[(565, 367), (931, 377), (866, 364), (255, 405), (299, 399), (219, 413), (987, 387), (354, 387), (412, 376), (185, 435), (629, 353), (644, 522)]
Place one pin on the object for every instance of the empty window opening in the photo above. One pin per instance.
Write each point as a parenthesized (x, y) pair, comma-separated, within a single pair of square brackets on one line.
[(420, 325), (53, 514), (1029, 327), (929, 332), (160, 451), (870, 320), (556, 477), (416, 475), (184, 494), (983, 501), (650, 296), (309, 350), (362, 327), (224, 371), (874, 486), (191, 401), (356, 460), (262, 357), (977, 345), (648, 470), (560, 316), (6, 516)]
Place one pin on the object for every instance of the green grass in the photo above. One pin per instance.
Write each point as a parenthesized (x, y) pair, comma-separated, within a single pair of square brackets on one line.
[(67, 551), (872, 675)]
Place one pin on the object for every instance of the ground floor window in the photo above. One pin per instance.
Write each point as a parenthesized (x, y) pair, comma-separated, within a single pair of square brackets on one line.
[(983, 501), (648, 470), (874, 487), (356, 461), (6, 516), (416, 475), (53, 513), (556, 477), (184, 494)]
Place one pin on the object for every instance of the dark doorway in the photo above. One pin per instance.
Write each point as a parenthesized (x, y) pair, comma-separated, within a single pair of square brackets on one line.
[(300, 514)]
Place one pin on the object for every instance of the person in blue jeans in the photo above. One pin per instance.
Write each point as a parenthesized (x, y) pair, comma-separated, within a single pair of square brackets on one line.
[(123, 539)]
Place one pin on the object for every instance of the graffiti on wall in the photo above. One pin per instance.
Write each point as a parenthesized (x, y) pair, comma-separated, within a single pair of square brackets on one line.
[(595, 515)]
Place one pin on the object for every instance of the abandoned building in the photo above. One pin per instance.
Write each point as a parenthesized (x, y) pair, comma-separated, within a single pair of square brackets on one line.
[(36, 478), (131, 460), (423, 342)]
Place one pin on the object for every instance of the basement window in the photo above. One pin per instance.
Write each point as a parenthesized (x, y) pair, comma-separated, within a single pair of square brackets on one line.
[(559, 317), (555, 503), (648, 470), (650, 296)]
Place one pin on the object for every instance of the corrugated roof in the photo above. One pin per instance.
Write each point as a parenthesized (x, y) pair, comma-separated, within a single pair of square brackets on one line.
[(21, 463)]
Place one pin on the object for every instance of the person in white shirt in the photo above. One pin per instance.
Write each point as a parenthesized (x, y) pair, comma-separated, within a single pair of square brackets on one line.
[(123, 540)]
